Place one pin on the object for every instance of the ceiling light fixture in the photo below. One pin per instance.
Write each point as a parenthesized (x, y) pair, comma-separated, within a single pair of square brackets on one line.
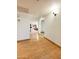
[(54, 14), (55, 9)]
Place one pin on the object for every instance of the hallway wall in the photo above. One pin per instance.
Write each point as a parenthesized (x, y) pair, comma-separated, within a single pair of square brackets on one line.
[(52, 27), (23, 26)]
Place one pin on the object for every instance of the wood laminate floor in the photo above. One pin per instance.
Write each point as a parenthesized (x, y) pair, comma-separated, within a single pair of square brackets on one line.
[(38, 49)]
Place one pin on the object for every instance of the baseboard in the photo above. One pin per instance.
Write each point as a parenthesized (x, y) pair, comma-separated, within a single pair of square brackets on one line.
[(22, 40), (53, 42), (50, 39)]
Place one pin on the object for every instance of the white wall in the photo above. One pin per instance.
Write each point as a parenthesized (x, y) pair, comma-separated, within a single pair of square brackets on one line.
[(23, 26), (52, 27)]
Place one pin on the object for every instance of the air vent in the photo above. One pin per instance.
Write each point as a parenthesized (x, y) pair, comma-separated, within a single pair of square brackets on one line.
[(21, 9), (37, 0)]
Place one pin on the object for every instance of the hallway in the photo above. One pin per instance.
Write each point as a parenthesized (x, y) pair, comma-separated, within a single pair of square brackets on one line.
[(38, 49)]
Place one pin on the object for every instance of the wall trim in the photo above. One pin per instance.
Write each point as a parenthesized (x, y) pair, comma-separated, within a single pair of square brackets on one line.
[(52, 42), (22, 40), (50, 39)]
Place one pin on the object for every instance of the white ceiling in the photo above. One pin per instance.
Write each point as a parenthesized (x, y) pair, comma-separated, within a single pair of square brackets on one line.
[(36, 8)]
